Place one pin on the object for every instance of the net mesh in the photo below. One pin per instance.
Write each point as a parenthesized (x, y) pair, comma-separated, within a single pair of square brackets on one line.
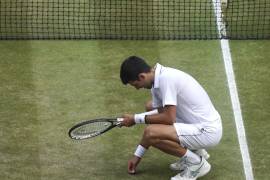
[(248, 19), (133, 19)]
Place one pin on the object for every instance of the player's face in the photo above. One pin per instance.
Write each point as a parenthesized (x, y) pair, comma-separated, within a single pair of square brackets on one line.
[(142, 82), (137, 84)]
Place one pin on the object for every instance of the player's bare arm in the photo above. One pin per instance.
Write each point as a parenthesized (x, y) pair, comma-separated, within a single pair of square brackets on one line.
[(167, 116)]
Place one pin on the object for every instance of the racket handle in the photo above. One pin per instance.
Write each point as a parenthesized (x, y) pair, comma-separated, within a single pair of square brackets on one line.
[(119, 121)]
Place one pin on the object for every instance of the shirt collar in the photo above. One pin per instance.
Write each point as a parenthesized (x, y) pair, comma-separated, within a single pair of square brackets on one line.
[(158, 68)]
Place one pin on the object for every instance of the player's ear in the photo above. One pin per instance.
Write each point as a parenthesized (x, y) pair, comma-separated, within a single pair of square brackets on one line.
[(142, 76)]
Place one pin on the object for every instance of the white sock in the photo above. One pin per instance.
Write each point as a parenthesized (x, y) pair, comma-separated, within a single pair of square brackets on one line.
[(192, 157)]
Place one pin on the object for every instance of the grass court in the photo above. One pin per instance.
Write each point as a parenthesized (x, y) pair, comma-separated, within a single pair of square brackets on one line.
[(48, 86)]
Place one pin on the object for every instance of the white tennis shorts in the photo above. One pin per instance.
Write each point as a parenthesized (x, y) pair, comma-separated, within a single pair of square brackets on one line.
[(199, 136)]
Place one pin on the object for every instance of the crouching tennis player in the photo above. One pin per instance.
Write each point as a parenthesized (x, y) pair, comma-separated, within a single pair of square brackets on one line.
[(181, 118)]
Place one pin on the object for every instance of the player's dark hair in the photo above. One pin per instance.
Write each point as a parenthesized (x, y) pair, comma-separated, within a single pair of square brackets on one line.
[(132, 67)]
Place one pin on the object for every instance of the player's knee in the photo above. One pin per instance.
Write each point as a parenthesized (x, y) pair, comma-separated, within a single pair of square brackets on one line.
[(148, 106), (149, 132)]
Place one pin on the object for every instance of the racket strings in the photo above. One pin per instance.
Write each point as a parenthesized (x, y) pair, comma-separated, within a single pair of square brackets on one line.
[(92, 129)]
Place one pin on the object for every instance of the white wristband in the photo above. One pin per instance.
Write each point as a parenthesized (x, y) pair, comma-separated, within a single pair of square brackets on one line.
[(140, 151), (139, 118)]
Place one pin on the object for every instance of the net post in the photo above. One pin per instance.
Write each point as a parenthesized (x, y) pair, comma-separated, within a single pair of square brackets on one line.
[(224, 4), (224, 7), (220, 20)]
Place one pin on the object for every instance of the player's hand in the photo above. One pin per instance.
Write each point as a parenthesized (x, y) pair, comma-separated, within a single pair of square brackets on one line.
[(128, 120), (132, 164)]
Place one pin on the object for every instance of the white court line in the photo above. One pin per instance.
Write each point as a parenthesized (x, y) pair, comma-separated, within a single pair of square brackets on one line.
[(236, 109), (233, 92)]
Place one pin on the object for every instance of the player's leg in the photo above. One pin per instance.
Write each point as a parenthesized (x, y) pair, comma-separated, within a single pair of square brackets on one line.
[(196, 137), (185, 135), (167, 146), (166, 138), (170, 147), (154, 134)]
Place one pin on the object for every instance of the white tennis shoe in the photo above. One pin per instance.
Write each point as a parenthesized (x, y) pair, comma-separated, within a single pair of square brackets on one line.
[(180, 165), (193, 171)]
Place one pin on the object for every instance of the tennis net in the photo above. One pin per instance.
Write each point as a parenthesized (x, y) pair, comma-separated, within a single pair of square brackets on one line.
[(135, 19)]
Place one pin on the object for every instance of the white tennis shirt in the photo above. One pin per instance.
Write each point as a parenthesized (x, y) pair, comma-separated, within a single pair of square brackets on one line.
[(174, 87)]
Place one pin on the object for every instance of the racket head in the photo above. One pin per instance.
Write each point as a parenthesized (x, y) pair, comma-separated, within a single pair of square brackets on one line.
[(91, 128)]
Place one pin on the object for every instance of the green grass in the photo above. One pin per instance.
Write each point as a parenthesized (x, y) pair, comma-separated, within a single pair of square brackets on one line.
[(251, 64), (48, 86)]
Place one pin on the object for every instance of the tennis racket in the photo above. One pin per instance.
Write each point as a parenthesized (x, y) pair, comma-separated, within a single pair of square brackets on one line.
[(93, 128)]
